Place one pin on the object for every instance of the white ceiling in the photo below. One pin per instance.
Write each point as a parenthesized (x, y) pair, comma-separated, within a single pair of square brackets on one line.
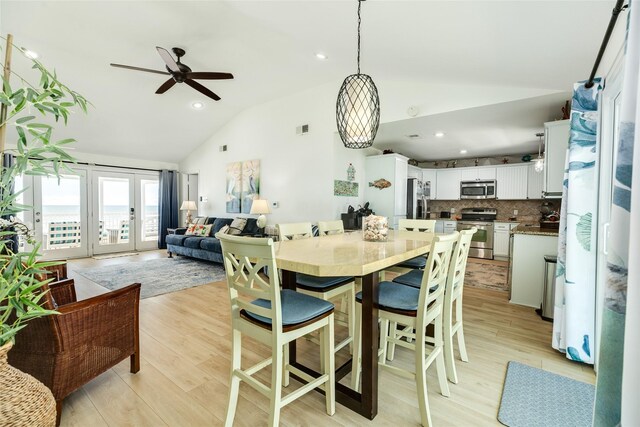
[(494, 130), (269, 46)]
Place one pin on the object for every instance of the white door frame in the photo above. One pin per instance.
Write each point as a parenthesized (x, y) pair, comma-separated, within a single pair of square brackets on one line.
[(140, 243)]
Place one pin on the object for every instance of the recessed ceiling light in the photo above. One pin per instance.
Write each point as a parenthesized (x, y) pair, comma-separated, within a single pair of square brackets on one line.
[(438, 134), (197, 105), (30, 54), (321, 56), (463, 151)]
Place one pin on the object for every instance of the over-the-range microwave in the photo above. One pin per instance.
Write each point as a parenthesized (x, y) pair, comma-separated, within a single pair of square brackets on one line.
[(481, 189)]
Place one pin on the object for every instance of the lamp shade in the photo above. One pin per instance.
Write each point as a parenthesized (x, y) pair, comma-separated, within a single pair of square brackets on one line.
[(188, 205), (260, 206)]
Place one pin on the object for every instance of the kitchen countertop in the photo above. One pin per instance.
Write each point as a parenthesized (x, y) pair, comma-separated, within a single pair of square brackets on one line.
[(535, 230)]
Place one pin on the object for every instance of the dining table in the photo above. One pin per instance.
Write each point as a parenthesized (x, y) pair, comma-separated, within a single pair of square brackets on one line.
[(348, 254)]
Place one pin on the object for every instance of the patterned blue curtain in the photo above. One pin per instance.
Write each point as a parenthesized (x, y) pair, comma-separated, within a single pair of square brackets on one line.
[(608, 407), (574, 311), (167, 205)]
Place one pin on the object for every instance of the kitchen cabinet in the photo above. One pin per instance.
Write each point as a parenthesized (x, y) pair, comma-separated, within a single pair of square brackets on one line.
[(414, 172), (448, 184), (391, 201), (535, 183), (512, 182), (527, 267), (501, 234), (446, 226), (429, 175), (556, 142), (477, 173)]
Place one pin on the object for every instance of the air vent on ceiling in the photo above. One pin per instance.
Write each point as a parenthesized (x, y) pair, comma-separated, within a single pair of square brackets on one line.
[(413, 136)]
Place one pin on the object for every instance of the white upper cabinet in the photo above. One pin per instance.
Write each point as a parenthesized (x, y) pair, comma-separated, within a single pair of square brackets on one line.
[(556, 142), (477, 173), (512, 182), (448, 184), (429, 175), (535, 183), (414, 172)]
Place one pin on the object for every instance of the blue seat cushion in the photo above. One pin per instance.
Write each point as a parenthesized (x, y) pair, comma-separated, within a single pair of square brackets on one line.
[(396, 297), (315, 283), (417, 262), (211, 244), (193, 242), (412, 278), (176, 239), (296, 308)]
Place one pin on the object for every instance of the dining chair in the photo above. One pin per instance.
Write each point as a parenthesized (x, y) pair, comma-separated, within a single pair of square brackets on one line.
[(327, 228), (326, 288), (453, 324), (274, 317), (413, 308), (419, 225)]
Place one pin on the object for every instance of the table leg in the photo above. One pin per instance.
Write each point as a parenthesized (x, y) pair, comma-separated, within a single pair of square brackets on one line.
[(370, 331), (289, 282)]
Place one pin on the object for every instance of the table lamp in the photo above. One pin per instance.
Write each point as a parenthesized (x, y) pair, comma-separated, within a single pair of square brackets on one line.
[(188, 205), (261, 207)]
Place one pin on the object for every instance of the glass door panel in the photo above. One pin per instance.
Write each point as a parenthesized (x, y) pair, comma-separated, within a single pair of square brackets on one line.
[(113, 212), (147, 212), (60, 215)]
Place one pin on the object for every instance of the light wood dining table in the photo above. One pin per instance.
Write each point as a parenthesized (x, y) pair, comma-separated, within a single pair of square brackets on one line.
[(349, 255)]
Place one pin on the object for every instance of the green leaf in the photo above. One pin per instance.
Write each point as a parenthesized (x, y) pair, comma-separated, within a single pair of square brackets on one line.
[(25, 119), (583, 231)]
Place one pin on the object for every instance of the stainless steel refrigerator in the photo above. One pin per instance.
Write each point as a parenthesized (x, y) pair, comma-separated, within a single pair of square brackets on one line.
[(417, 199)]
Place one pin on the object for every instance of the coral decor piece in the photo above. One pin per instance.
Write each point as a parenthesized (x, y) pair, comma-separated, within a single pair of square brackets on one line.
[(375, 228)]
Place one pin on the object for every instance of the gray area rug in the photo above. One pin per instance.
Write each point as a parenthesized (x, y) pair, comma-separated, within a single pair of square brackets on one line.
[(157, 276), (535, 398)]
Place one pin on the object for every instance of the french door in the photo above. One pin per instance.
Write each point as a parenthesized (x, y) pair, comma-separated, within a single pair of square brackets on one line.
[(59, 217), (124, 211)]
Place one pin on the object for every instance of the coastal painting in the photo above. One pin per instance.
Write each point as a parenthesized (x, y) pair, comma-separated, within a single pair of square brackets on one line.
[(250, 186), (345, 188), (234, 187)]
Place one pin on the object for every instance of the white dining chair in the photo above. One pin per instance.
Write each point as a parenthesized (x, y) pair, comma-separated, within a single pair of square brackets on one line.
[(418, 225), (326, 288), (453, 324), (328, 228), (414, 309), (274, 317)]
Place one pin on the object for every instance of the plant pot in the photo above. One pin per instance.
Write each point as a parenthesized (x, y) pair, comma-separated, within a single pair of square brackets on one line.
[(25, 401)]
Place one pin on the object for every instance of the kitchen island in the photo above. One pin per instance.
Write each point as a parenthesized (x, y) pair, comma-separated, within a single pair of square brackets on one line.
[(529, 245)]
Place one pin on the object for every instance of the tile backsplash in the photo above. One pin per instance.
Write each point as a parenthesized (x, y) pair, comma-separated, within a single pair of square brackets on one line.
[(528, 210)]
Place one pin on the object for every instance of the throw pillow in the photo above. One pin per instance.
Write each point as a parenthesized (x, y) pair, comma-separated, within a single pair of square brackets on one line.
[(191, 230), (203, 230), (224, 230), (237, 226)]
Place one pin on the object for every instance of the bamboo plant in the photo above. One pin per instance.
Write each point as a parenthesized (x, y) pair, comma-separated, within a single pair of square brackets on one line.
[(34, 111)]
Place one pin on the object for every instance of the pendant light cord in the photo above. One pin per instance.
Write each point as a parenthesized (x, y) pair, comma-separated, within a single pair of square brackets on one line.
[(359, 20)]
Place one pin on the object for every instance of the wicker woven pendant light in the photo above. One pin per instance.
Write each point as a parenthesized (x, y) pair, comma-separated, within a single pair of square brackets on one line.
[(358, 107)]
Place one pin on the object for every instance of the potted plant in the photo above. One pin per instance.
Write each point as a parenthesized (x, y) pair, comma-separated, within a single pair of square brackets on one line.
[(33, 110)]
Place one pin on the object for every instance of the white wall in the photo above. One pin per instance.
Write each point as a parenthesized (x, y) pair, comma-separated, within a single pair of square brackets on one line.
[(132, 162), (298, 171)]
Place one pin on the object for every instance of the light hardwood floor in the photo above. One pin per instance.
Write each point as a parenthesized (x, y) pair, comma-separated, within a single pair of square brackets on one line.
[(185, 345)]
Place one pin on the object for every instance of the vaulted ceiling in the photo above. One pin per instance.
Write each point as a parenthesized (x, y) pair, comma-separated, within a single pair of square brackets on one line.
[(270, 47)]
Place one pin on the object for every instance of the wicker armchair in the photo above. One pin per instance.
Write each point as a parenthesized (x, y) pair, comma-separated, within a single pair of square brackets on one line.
[(85, 339)]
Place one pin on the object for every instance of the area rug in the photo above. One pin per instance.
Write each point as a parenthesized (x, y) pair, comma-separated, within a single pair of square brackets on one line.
[(157, 276), (486, 276), (532, 397)]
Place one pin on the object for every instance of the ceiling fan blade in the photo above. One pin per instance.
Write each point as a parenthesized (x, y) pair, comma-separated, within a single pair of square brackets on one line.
[(168, 59), (129, 67), (166, 86), (209, 76), (203, 90)]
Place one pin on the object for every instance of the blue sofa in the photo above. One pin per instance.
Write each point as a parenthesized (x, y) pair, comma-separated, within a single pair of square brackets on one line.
[(205, 248)]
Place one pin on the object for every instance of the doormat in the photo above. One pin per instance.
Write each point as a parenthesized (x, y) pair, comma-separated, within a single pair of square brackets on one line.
[(118, 255), (157, 276), (532, 397)]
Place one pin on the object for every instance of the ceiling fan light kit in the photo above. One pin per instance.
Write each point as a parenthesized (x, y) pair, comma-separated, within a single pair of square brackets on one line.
[(181, 73), (358, 107)]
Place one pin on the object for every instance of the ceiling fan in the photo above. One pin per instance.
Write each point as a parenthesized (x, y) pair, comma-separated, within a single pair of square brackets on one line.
[(181, 73)]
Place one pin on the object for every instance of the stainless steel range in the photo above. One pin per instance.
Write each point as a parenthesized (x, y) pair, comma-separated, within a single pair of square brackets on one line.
[(482, 219)]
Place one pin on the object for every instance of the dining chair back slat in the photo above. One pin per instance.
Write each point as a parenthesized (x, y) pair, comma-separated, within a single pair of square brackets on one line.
[(422, 225), (326, 228), (294, 231)]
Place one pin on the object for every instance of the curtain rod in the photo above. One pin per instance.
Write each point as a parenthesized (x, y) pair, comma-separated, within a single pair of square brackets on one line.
[(112, 166), (619, 7)]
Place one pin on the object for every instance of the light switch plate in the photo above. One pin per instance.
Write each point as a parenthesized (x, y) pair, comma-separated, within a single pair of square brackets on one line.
[(515, 212), (275, 205)]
